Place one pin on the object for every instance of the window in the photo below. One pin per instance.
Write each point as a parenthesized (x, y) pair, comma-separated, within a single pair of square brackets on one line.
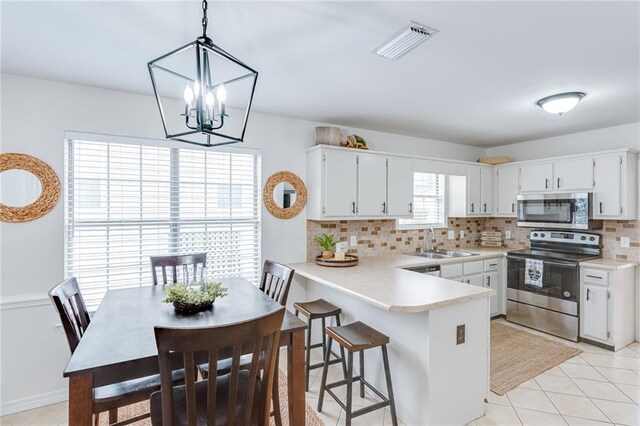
[(128, 200), (428, 202)]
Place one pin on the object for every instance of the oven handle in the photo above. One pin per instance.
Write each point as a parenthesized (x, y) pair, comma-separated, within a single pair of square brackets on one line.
[(550, 262)]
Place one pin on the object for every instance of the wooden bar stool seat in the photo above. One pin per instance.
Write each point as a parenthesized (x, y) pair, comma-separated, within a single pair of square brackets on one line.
[(320, 309), (358, 337)]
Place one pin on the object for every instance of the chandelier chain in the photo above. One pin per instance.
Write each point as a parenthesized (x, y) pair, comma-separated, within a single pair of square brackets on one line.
[(205, 21)]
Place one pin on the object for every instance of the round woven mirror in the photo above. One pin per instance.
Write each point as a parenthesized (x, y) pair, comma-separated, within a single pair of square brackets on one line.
[(284, 195), (48, 189)]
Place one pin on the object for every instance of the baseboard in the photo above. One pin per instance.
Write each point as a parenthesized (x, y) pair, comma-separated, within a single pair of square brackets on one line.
[(32, 402)]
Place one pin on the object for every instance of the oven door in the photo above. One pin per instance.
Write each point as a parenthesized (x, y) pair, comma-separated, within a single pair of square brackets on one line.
[(559, 290), (562, 211)]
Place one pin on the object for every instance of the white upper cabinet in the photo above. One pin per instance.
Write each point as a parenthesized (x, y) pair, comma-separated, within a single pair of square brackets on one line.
[(372, 186), (574, 174), (506, 183), (340, 172), (615, 194), (536, 177), (399, 187), (486, 190), (474, 187)]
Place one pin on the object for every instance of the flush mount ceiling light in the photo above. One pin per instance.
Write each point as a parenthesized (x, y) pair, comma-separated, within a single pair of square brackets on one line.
[(560, 103), (405, 40), (193, 86)]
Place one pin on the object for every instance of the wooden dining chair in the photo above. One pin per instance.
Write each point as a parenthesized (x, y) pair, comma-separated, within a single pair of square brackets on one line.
[(240, 397), (174, 261), (69, 304)]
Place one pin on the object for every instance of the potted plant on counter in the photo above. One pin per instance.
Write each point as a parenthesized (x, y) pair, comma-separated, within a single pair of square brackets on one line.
[(191, 299), (327, 243)]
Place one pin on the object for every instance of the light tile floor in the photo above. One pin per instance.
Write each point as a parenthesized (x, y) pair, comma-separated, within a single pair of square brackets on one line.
[(597, 387)]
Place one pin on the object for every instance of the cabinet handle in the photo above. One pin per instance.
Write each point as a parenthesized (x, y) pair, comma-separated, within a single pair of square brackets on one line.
[(600, 207), (468, 281), (587, 294), (473, 208), (484, 207), (558, 183), (546, 184), (411, 207), (513, 207), (384, 207), (353, 207), (594, 276), (488, 280)]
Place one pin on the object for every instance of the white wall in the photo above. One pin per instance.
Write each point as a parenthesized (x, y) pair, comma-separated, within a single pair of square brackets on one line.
[(33, 351), (625, 136)]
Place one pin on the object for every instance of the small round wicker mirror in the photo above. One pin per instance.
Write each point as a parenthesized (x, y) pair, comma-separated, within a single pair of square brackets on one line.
[(49, 193), (284, 195)]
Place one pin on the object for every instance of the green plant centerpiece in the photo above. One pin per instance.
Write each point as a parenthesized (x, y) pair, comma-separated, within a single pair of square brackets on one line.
[(191, 299), (327, 243)]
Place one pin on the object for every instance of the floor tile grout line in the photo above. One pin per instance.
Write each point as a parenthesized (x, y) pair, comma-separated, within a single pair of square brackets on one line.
[(598, 408)]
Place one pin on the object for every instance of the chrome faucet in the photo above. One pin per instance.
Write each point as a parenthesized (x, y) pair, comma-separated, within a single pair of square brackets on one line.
[(428, 235)]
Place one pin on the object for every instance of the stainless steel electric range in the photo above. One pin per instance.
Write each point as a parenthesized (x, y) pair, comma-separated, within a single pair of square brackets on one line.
[(543, 283)]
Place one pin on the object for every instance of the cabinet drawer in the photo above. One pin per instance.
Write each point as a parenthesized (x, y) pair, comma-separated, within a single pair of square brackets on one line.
[(491, 265), (473, 267), (451, 271), (596, 276)]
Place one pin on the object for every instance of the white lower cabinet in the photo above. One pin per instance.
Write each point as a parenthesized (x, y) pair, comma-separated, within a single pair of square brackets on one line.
[(479, 273), (607, 306)]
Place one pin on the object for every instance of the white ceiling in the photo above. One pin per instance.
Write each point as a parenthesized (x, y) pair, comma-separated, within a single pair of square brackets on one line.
[(476, 82)]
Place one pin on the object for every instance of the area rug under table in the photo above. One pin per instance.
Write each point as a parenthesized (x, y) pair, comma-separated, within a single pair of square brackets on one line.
[(518, 356), (134, 410)]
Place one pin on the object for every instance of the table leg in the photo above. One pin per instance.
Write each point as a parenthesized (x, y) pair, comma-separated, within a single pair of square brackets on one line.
[(296, 378), (80, 399)]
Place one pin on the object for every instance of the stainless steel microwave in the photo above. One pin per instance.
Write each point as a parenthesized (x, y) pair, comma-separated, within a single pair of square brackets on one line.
[(558, 211)]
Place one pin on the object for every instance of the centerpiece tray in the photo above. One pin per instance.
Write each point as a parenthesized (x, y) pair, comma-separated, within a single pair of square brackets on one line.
[(350, 260)]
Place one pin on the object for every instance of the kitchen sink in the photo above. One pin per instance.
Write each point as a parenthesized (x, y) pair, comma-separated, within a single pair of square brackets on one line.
[(443, 254)]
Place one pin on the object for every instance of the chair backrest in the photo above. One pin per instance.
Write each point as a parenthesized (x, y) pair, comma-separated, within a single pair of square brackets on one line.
[(276, 280), (184, 260), (258, 336), (68, 301)]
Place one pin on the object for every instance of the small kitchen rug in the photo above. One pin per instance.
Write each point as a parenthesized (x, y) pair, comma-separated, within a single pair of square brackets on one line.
[(518, 356), (134, 410)]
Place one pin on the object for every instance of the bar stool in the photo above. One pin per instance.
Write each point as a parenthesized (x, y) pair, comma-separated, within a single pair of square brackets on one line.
[(358, 337), (320, 309)]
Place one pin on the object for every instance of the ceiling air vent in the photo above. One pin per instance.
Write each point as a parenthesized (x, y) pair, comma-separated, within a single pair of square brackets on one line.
[(404, 40)]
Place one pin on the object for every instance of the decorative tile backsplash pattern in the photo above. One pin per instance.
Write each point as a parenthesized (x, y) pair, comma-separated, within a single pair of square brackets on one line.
[(376, 237)]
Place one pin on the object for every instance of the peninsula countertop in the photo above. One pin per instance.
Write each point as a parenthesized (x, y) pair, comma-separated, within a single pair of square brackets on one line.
[(382, 281)]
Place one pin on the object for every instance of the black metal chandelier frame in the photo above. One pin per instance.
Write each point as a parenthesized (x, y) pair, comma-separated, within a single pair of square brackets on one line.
[(203, 124)]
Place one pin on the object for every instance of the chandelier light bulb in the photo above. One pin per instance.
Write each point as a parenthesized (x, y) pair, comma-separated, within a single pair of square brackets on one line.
[(188, 94), (560, 103), (196, 88), (209, 99), (222, 94)]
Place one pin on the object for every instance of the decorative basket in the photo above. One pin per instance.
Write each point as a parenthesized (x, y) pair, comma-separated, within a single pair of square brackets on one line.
[(328, 136), (350, 260), (191, 308)]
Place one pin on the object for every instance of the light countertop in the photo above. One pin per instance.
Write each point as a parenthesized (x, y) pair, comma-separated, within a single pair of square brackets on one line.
[(610, 264), (381, 281)]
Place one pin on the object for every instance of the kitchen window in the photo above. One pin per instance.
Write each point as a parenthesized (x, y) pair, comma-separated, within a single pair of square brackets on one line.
[(428, 202), (126, 200)]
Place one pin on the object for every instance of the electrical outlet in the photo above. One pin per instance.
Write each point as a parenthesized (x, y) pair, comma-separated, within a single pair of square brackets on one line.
[(461, 234), (507, 235), (624, 242), (354, 241), (460, 334), (451, 235)]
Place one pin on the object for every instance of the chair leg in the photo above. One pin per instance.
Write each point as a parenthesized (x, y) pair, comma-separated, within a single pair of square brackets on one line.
[(308, 353), (113, 416), (275, 395), (344, 364), (324, 340), (323, 382), (349, 410), (96, 419), (387, 373), (361, 374)]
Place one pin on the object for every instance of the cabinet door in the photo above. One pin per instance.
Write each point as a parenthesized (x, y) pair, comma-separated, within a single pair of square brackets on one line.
[(491, 280), (595, 312), (474, 186), (400, 187), (536, 177), (372, 185), (607, 199), (486, 191), (506, 190), (474, 280), (340, 183), (574, 174)]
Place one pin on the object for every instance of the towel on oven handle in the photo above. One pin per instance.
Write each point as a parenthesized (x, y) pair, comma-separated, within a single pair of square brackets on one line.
[(533, 272)]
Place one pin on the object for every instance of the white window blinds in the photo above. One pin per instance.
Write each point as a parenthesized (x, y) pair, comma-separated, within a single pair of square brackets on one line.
[(428, 201), (125, 202)]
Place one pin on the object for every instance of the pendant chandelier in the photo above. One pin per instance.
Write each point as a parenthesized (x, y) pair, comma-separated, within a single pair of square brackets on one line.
[(204, 94)]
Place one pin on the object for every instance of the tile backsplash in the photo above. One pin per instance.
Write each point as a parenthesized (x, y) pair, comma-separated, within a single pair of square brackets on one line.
[(376, 237)]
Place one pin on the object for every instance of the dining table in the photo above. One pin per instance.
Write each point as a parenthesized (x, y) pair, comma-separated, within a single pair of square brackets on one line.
[(120, 344)]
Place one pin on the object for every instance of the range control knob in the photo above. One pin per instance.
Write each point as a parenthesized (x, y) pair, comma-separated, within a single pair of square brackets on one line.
[(535, 234), (592, 238), (542, 235), (583, 238)]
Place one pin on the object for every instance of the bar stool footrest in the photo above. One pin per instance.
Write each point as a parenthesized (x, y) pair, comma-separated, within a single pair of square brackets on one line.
[(384, 403)]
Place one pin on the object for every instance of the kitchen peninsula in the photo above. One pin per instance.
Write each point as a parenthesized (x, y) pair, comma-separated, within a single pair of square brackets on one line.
[(436, 380)]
